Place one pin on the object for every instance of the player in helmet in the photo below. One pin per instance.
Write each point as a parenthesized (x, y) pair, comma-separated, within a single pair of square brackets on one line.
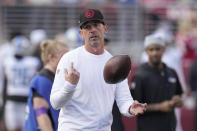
[(72, 37), (36, 37), (19, 69), (6, 50)]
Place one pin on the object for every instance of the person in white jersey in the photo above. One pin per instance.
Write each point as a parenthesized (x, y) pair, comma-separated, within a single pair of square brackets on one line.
[(85, 100), (19, 69)]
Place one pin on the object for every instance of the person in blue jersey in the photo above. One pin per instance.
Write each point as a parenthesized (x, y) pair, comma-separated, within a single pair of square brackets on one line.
[(40, 114)]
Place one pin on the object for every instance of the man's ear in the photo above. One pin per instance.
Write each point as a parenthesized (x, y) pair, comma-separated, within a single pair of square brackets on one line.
[(81, 33), (106, 28), (146, 50), (163, 49)]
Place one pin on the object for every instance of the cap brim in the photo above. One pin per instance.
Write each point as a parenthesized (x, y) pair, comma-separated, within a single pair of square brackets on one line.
[(99, 20)]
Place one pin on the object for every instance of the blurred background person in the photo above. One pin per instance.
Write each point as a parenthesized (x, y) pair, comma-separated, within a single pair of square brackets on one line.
[(186, 38), (71, 37), (172, 57), (193, 77), (158, 85), (193, 86), (19, 69), (6, 50), (40, 2), (106, 43), (36, 37), (40, 114)]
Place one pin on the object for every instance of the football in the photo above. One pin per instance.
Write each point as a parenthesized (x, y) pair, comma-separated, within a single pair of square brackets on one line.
[(117, 69)]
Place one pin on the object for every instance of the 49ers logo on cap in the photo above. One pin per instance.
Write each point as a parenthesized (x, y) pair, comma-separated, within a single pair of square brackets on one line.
[(89, 14)]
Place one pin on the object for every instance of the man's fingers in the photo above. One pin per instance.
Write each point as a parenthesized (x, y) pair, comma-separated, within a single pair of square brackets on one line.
[(138, 108), (137, 104), (133, 112), (78, 74), (74, 70), (71, 66), (65, 71), (144, 105), (72, 75), (136, 101)]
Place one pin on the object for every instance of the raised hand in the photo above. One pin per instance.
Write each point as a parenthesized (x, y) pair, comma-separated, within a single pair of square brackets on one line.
[(72, 76), (137, 108)]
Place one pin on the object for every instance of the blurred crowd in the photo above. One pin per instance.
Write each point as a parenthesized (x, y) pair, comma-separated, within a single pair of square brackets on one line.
[(51, 2), (175, 24)]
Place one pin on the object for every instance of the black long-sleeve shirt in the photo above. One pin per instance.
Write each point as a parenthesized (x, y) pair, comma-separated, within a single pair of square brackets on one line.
[(152, 85), (193, 77)]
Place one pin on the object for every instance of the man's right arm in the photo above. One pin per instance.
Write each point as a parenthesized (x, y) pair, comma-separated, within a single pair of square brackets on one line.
[(64, 84), (59, 97)]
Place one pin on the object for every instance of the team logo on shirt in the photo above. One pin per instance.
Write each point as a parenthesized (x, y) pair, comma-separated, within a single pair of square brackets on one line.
[(133, 85), (172, 80), (58, 71)]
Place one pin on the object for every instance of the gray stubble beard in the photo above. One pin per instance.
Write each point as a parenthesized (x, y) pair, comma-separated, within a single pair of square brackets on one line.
[(94, 44)]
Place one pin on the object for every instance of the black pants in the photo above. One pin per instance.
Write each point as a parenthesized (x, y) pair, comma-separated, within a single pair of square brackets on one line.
[(195, 117), (117, 124)]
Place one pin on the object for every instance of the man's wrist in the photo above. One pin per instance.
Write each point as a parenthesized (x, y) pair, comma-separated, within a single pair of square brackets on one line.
[(69, 85), (130, 111)]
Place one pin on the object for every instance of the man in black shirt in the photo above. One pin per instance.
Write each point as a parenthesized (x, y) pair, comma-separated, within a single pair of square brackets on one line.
[(157, 85), (193, 86)]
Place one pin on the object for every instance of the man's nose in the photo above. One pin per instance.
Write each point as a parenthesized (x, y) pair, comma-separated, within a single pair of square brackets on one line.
[(155, 52), (93, 28)]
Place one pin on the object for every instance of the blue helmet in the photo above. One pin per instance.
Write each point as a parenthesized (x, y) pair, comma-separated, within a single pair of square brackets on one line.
[(22, 45)]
